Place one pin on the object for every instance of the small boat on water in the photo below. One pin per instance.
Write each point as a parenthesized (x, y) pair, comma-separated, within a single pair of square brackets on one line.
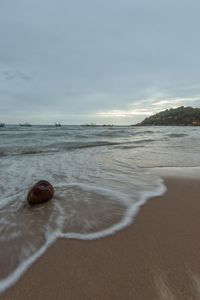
[(2, 125), (95, 125), (25, 125), (90, 125), (57, 125)]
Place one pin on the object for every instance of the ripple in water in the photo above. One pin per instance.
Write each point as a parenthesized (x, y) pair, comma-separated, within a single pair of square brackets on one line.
[(98, 189), (98, 202)]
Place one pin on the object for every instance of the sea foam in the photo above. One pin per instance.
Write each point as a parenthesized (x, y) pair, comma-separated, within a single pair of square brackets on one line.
[(126, 219), (102, 176)]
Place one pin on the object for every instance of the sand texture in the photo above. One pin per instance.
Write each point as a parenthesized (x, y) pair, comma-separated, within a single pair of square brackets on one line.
[(157, 257)]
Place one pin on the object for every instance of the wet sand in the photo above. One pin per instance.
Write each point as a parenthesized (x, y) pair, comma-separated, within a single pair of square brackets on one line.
[(157, 257)]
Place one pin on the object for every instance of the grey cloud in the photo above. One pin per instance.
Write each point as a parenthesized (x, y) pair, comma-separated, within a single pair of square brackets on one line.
[(15, 74), (83, 57)]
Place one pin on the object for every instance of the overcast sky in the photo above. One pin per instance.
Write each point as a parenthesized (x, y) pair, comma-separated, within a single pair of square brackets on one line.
[(102, 61)]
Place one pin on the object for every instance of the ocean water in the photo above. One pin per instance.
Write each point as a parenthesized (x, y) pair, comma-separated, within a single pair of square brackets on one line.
[(101, 176)]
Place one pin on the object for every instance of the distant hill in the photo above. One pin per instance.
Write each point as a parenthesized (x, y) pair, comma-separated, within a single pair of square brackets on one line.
[(181, 116)]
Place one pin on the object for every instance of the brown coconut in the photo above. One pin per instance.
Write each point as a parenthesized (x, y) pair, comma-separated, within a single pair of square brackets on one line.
[(41, 192)]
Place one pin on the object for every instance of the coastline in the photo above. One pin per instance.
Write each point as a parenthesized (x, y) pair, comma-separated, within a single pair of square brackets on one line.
[(156, 257)]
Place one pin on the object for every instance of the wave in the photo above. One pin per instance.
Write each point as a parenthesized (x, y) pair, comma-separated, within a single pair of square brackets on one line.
[(18, 152), (122, 133), (145, 141), (98, 191), (54, 147), (174, 135), (128, 213), (112, 133), (2, 153), (69, 146), (80, 145)]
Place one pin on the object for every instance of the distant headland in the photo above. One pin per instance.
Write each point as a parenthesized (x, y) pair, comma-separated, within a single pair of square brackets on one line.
[(181, 116)]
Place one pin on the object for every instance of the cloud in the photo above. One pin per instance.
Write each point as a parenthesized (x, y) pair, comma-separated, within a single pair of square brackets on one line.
[(15, 74), (124, 113), (85, 59), (147, 107)]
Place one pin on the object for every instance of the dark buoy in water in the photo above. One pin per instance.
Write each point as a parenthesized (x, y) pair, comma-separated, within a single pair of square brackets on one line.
[(41, 192)]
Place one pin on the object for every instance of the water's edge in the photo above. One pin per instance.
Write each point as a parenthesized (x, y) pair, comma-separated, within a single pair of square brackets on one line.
[(127, 219)]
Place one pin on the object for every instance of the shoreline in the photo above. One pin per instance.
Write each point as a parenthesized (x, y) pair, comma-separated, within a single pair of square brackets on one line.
[(156, 257)]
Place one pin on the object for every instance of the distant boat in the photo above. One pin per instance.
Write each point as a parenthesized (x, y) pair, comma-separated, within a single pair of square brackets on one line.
[(2, 124), (90, 125), (95, 125), (57, 124), (25, 125)]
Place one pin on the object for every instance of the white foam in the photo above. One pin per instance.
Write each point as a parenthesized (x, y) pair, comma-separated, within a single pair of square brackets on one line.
[(115, 173), (126, 220), (177, 172), (114, 195), (10, 198), (13, 277)]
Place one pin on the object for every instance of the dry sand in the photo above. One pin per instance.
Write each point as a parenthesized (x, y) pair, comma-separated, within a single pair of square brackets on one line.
[(157, 257)]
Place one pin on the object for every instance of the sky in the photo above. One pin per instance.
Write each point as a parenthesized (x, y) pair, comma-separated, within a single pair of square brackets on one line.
[(91, 61)]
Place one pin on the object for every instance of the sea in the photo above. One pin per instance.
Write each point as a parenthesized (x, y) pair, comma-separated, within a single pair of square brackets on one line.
[(101, 175)]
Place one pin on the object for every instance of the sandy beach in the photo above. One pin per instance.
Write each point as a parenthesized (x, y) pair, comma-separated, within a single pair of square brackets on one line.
[(157, 257)]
